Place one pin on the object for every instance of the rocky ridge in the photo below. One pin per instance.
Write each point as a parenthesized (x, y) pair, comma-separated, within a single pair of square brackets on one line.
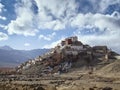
[(67, 55)]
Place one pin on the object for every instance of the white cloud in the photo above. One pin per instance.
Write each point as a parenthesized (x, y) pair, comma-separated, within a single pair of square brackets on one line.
[(47, 37), (104, 4), (108, 22), (3, 18), (3, 26), (53, 44), (101, 6), (112, 41), (24, 23), (44, 37), (54, 25), (51, 15), (109, 38), (56, 7), (27, 44), (3, 36), (1, 10), (107, 34), (1, 7), (55, 13)]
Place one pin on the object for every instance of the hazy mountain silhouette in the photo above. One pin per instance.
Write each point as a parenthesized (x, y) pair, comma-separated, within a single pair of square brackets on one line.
[(6, 47), (12, 57)]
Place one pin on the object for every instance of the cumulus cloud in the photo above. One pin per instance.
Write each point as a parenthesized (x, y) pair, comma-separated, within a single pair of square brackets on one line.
[(54, 15), (24, 23), (103, 22), (3, 36), (108, 29), (47, 37), (58, 14), (3, 26), (1, 7), (104, 4), (110, 40), (1, 10), (27, 44), (53, 44), (3, 18), (57, 8), (46, 16)]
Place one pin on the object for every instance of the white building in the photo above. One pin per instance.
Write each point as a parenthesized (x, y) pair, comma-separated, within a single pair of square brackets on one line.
[(74, 38), (71, 52), (76, 47)]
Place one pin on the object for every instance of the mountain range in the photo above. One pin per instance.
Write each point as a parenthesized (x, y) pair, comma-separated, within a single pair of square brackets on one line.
[(10, 57)]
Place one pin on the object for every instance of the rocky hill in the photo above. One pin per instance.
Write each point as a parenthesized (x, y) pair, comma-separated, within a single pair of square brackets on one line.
[(111, 69), (68, 55)]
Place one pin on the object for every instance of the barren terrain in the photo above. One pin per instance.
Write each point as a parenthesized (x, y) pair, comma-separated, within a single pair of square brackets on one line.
[(74, 80)]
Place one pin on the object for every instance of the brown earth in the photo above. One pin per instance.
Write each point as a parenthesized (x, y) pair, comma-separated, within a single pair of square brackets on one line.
[(105, 78), (75, 80), (111, 70)]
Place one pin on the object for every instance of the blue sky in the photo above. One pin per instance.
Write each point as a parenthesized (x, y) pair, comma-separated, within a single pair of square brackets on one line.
[(31, 24)]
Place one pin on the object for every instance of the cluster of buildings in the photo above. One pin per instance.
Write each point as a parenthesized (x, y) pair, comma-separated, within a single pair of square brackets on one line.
[(70, 45), (61, 56)]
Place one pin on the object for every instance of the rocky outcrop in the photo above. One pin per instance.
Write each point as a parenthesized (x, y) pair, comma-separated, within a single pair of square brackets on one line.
[(70, 53)]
